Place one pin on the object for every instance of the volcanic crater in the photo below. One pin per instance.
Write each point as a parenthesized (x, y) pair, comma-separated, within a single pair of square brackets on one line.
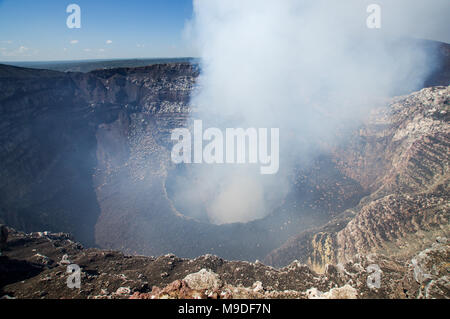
[(89, 154)]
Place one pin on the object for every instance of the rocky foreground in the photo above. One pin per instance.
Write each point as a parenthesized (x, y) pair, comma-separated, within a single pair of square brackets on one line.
[(35, 266)]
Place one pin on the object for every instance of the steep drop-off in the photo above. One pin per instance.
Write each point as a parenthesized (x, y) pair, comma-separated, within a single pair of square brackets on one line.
[(401, 157), (89, 154)]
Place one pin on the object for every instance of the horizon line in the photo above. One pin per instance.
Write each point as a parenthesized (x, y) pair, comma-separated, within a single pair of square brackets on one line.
[(99, 60)]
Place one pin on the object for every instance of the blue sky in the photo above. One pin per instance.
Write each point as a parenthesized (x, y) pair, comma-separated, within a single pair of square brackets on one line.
[(32, 30)]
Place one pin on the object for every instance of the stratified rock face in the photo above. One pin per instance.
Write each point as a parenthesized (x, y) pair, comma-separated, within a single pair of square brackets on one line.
[(47, 152), (401, 156), (57, 129), (411, 201)]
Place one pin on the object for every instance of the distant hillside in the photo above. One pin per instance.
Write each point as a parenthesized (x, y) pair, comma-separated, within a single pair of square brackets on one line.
[(90, 65)]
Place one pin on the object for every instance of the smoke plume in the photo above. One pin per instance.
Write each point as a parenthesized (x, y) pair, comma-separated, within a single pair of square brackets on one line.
[(311, 68)]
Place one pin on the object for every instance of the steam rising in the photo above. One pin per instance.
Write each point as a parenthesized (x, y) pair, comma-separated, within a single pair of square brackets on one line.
[(310, 68)]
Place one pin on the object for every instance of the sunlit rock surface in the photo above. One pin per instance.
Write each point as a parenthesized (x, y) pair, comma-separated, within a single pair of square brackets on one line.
[(401, 156)]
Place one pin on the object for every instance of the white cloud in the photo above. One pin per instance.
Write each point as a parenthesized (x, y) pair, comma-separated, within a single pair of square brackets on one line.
[(22, 49), (87, 50), (109, 41), (73, 41)]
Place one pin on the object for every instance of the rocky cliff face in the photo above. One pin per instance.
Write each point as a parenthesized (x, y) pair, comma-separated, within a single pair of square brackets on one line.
[(47, 152), (401, 157), (55, 138)]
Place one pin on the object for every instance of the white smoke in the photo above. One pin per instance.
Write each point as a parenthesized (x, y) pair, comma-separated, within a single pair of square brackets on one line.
[(306, 67)]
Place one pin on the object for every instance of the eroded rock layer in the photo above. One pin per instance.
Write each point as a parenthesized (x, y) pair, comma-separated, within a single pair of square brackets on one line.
[(401, 156)]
